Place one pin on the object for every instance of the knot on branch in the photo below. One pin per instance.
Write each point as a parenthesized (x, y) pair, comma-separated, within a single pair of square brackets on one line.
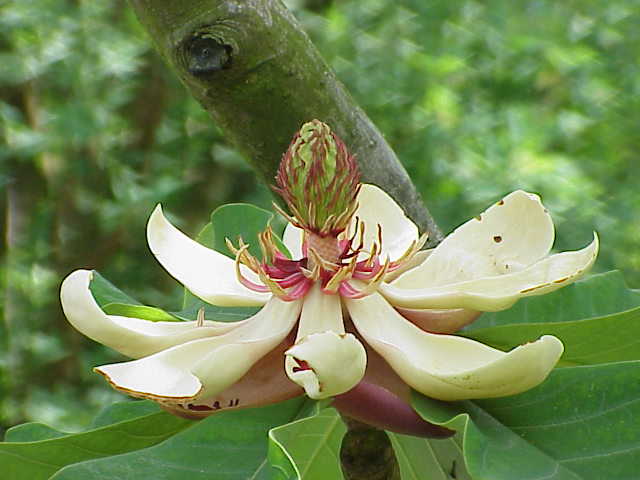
[(204, 55)]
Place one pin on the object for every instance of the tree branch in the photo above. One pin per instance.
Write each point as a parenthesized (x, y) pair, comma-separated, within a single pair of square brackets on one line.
[(252, 67)]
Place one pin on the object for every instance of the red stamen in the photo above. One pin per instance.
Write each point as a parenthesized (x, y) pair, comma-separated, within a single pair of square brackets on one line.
[(291, 280)]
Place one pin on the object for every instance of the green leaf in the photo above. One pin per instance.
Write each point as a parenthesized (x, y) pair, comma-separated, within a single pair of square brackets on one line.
[(580, 424), (595, 296), (613, 338), (31, 432), (114, 301), (34, 460), (308, 448), (122, 411), (227, 446), (106, 292), (143, 312), (429, 459), (236, 220), (213, 312)]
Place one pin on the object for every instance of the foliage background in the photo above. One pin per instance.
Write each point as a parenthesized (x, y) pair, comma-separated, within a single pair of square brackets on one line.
[(477, 99)]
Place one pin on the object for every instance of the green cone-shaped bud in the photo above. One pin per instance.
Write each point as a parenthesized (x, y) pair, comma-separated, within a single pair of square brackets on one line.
[(319, 180)]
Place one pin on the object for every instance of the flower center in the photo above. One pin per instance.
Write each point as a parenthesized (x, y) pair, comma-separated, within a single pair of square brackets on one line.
[(342, 264)]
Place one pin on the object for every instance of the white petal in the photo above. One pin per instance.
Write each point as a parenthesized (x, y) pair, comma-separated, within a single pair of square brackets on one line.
[(448, 320), (447, 367), (265, 383), (131, 336), (292, 239), (324, 360), (509, 236), (206, 273), (495, 293), (376, 207), (205, 367)]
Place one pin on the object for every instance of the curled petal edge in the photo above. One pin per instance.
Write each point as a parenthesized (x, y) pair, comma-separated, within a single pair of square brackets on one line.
[(376, 207), (510, 235), (326, 364), (208, 274), (494, 293), (203, 368), (133, 337), (448, 367)]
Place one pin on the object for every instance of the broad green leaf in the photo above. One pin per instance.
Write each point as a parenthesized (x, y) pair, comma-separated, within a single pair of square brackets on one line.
[(122, 411), (227, 446), (241, 220), (31, 432), (594, 296), (613, 338), (308, 449), (106, 292), (429, 459), (580, 424), (34, 460)]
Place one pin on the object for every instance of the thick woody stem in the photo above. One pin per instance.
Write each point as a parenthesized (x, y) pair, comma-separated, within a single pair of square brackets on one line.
[(251, 66)]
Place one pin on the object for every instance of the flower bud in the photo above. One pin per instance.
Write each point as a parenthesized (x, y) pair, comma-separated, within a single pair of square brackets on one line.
[(319, 180)]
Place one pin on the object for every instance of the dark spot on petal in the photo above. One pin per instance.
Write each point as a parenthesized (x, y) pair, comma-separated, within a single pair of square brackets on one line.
[(501, 202), (302, 366), (497, 239), (199, 408)]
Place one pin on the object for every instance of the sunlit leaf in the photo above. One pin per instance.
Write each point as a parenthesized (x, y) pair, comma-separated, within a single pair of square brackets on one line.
[(144, 312)]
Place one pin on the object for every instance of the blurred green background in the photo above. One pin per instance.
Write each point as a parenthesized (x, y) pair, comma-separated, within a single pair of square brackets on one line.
[(477, 98)]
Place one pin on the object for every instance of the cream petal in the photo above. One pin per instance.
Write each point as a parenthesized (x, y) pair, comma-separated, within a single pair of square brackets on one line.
[(376, 207), (439, 321), (265, 383), (413, 262), (495, 293), (133, 337), (208, 274), (325, 360), (448, 367), (292, 239), (509, 236), (205, 367)]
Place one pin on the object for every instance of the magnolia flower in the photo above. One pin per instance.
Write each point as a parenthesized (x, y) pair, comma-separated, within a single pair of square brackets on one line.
[(358, 312)]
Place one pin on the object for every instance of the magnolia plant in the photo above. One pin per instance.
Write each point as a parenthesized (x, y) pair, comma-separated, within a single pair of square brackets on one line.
[(352, 308)]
